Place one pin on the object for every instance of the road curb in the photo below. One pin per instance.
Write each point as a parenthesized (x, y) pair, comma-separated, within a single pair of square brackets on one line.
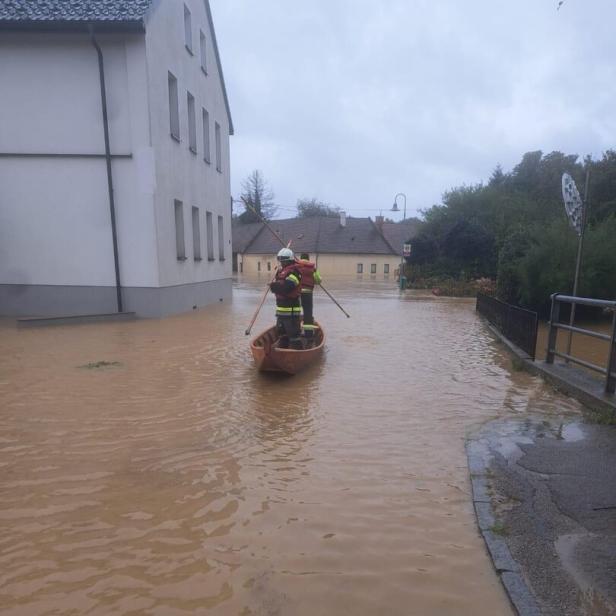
[(508, 570)]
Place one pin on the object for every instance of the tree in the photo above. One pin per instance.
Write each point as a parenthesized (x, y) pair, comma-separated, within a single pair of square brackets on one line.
[(258, 199), (313, 207)]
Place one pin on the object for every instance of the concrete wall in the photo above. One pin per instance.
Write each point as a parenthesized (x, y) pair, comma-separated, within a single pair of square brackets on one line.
[(330, 265), (54, 208), (182, 174), (58, 300)]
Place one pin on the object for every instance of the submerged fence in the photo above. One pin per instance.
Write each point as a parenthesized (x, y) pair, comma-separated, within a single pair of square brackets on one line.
[(517, 324), (607, 305)]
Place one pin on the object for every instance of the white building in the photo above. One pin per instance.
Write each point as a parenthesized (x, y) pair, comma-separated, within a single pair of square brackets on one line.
[(168, 124)]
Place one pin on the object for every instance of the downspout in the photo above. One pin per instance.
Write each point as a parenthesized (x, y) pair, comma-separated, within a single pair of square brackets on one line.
[(101, 74)]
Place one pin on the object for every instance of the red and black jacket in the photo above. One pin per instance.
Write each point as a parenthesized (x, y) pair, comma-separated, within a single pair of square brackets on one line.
[(287, 287)]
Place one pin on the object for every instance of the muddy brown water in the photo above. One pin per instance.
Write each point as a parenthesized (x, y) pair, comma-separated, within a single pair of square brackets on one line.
[(176, 480), (583, 347)]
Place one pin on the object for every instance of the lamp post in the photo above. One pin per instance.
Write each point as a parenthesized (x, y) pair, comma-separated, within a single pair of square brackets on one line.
[(395, 208)]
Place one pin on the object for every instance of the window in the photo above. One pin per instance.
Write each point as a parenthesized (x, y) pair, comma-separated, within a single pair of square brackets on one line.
[(373, 268), (196, 234), (179, 230), (269, 266), (221, 240), (192, 125), (203, 49), (386, 268), (187, 30), (258, 266), (209, 236), (218, 152), (174, 111), (206, 135), (360, 268)]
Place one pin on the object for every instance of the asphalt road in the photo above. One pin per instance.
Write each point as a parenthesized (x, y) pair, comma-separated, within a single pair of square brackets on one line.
[(545, 496)]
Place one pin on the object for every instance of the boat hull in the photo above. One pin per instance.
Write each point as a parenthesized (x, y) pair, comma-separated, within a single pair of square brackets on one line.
[(269, 358)]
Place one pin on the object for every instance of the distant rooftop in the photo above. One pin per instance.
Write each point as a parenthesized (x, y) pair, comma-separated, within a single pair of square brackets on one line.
[(398, 233), (73, 10), (317, 234)]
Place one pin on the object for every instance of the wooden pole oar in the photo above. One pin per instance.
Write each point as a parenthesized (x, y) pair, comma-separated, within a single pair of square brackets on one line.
[(260, 216), (348, 316), (256, 314)]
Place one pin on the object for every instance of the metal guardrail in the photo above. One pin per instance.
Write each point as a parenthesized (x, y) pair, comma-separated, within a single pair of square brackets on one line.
[(516, 324), (555, 325)]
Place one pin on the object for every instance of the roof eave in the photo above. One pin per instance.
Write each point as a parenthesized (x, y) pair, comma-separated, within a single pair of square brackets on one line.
[(222, 77), (72, 25)]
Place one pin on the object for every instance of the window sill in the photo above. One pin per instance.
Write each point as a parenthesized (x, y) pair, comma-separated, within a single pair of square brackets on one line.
[(175, 137), (221, 258), (207, 162), (211, 259), (219, 170), (189, 50), (198, 259), (193, 150), (182, 258), (204, 71)]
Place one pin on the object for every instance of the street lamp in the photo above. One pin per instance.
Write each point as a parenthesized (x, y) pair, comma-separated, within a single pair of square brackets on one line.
[(395, 208)]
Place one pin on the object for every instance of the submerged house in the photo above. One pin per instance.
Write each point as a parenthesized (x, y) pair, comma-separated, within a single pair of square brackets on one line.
[(114, 158), (341, 246)]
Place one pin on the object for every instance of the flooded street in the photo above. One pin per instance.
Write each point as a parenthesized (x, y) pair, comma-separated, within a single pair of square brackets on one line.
[(177, 480)]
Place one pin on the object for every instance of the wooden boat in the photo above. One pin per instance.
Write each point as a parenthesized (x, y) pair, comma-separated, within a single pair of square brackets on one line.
[(270, 358)]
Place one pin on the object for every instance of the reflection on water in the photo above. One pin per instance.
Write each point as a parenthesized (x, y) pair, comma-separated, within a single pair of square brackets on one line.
[(180, 481)]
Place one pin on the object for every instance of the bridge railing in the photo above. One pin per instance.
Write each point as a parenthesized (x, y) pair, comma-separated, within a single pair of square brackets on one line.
[(516, 324), (555, 325)]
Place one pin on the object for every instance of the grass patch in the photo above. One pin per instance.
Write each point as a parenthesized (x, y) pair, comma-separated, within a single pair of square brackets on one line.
[(602, 417), (93, 365), (498, 528), (517, 364)]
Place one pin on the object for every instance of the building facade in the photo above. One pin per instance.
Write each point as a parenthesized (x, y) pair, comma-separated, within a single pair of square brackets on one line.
[(165, 170), (346, 247)]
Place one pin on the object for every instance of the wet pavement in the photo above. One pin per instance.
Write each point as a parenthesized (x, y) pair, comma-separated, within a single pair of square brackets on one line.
[(545, 496)]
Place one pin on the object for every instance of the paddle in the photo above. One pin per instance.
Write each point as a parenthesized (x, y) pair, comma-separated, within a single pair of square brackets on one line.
[(256, 314)]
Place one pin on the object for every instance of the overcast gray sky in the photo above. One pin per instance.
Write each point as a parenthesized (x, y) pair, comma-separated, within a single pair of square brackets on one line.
[(353, 101)]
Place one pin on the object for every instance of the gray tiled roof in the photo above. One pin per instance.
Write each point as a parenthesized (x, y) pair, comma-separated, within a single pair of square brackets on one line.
[(321, 234), (73, 10), (243, 234), (397, 233)]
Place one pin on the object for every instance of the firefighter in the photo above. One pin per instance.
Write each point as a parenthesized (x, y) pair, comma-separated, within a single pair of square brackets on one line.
[(287, 288), (310, 277)]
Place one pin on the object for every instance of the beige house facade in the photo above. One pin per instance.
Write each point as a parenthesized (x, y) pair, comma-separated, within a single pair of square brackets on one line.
[(330, 265)]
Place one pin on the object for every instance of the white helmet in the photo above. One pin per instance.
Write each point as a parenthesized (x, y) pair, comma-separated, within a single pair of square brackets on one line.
[(285, 254)]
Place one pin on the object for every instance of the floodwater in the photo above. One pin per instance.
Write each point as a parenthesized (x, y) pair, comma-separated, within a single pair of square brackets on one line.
[(175, 480), (583, 347)]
